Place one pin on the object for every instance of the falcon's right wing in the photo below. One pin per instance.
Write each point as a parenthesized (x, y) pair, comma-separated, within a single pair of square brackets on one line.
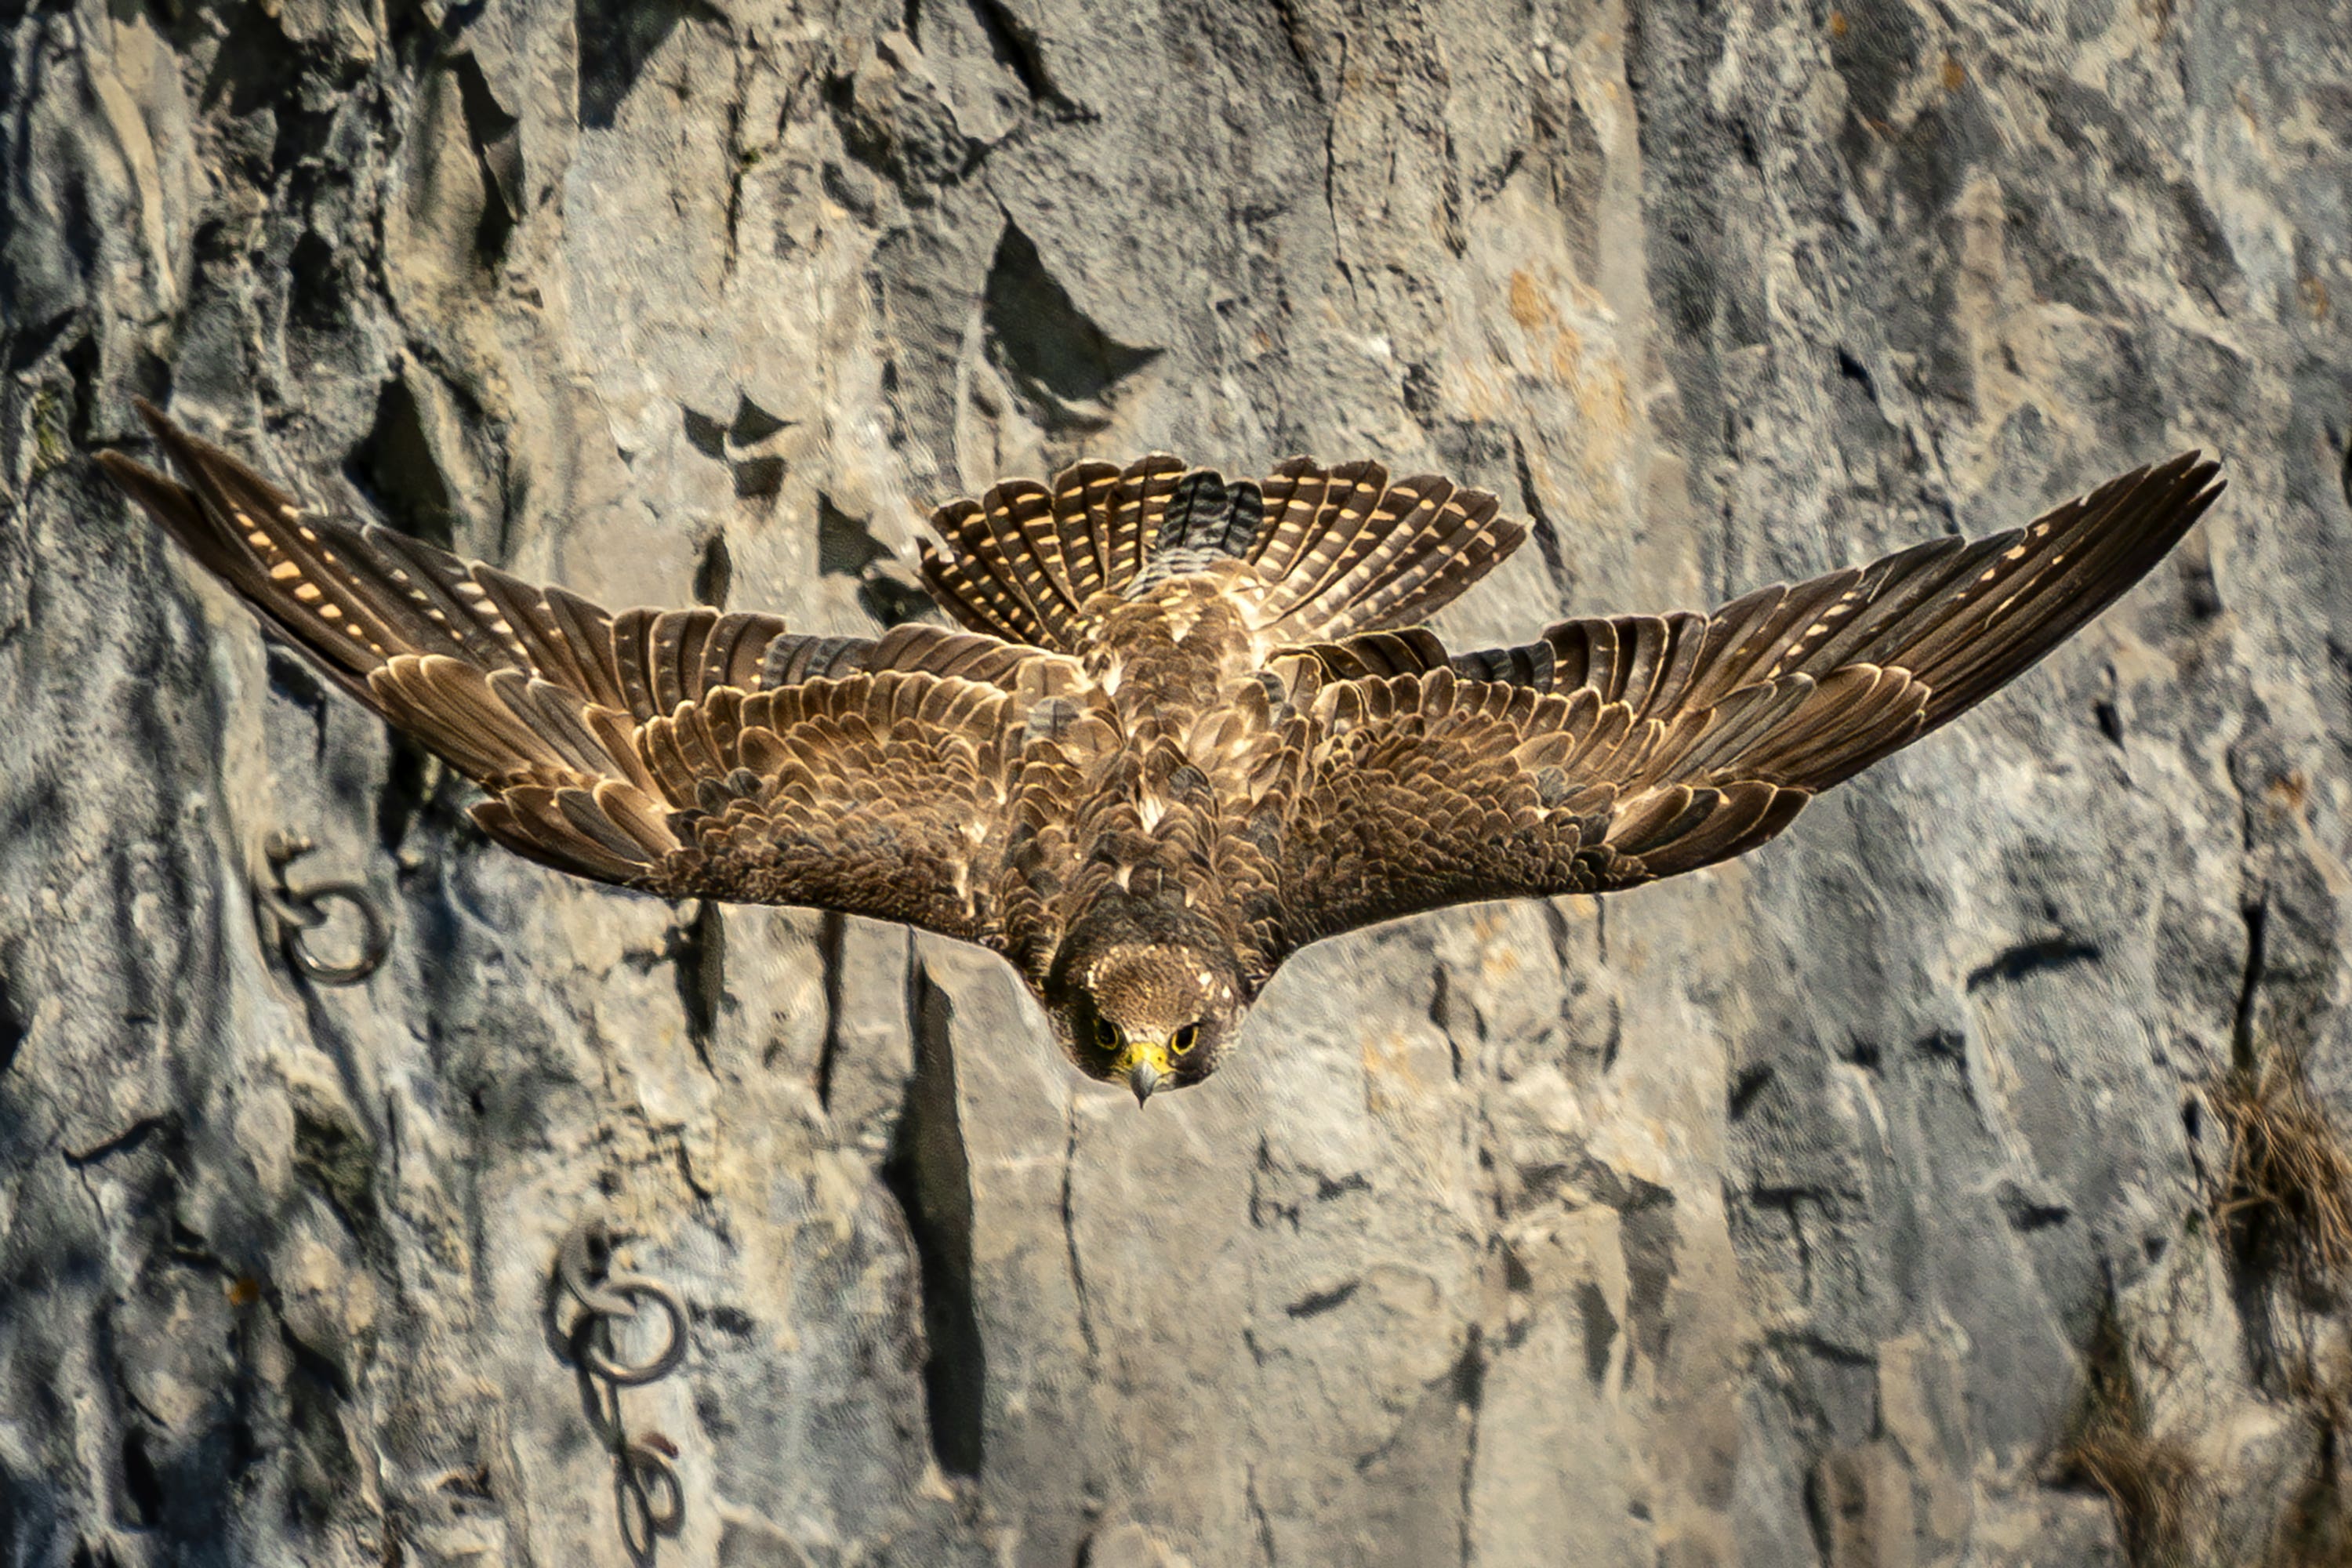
[(1613, 752)]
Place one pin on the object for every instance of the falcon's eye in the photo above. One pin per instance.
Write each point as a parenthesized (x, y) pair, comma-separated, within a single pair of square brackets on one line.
[(1186, 1038), (1106, 1035)]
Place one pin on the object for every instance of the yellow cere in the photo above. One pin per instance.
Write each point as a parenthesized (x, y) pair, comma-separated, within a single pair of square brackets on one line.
[(1152, 1054)]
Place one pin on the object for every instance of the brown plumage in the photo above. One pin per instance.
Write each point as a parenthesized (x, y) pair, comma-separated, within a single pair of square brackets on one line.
[(1189, 729)]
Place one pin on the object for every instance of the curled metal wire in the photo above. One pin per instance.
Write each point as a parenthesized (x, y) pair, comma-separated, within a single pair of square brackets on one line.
[(647, 1493), (299, 912)]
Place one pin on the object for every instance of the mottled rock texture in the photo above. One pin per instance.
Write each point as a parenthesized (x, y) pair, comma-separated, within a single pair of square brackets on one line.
[(1774, 1217)]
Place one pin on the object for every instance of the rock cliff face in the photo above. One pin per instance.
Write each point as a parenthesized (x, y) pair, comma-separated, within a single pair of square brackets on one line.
[(1848, 1205)]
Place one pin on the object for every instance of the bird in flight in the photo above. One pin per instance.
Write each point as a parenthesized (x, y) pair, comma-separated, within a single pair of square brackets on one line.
[(1186, 727)]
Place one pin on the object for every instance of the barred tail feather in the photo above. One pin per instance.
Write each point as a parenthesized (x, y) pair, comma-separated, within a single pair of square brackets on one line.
[(1341, 551), (1023, 562), (1347, 552)]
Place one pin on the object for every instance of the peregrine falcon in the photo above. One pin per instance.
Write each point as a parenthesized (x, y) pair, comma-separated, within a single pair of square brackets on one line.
[(1183, 727)]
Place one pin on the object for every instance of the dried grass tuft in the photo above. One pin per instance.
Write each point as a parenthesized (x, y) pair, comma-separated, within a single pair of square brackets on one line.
[(2284, 1197), (2150, 1482), (2315, 1530)]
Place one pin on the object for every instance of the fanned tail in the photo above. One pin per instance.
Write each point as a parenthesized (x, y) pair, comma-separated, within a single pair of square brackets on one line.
[(1339, 551), (1346, 551)]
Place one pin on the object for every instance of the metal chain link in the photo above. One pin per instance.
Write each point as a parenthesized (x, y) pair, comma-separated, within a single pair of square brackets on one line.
[(296, 913), (585, 1266), (648, 1496)]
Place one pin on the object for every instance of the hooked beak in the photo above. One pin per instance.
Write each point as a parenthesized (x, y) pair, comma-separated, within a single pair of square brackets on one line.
[(1145, 1066)]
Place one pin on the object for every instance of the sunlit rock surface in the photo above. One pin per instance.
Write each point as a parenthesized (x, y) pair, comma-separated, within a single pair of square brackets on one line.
[(1773, 1216)]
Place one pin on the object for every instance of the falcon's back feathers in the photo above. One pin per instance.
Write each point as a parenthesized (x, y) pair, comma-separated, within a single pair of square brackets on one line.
[(1187, 716)]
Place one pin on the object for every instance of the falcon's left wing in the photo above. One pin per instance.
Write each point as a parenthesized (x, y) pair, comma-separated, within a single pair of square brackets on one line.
[(1614, 751), (681, 752)]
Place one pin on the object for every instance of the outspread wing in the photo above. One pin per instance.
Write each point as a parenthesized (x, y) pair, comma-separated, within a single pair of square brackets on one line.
[(684, 752), (1613, 752)]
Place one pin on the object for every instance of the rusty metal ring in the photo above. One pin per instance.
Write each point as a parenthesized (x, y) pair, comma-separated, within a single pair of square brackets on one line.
[(297, 911), (282, 907), (582, 1265), (646, 1458), (645, 1474), (375, 944), (630, 1374)]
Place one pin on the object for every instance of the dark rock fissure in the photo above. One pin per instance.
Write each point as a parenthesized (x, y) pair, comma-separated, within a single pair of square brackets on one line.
[(123, 1142), (704, 434), (497, 152), (2025, 1214), (698, 954), (2257, 917), (1600, 1331), (1470, 1395), (2033, 957), (292, 679), (395, 467), (13, 1024), (928, 1172), (406, 791), (715, 573), (1546, 533), (844, 547), (753, 424), (830, 930), (1059, 359), (616, 39), (143, 1488), (1749, 1083), (1315, 1303), (1015, 48)]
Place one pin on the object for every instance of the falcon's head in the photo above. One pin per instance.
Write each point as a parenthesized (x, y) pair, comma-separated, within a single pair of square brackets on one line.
[(1151, 1016)]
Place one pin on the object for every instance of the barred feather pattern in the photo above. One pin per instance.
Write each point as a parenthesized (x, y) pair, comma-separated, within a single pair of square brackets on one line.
[(678, 752), (1183, 714), (1612, 751), (1334, 552)]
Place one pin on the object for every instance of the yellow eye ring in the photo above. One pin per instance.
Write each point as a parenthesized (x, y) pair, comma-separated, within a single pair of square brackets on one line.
[(1186, 1038), (1106, 1035)]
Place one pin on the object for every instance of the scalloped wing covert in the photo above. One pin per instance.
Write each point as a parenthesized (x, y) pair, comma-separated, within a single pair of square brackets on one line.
[(1613, 752), (681, 752)]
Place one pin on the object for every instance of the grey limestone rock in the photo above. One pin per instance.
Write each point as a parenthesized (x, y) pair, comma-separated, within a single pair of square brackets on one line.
[(1773, 1217)]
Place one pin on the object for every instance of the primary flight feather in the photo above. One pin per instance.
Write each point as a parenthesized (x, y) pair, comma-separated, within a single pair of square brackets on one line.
[(1190, 726)]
